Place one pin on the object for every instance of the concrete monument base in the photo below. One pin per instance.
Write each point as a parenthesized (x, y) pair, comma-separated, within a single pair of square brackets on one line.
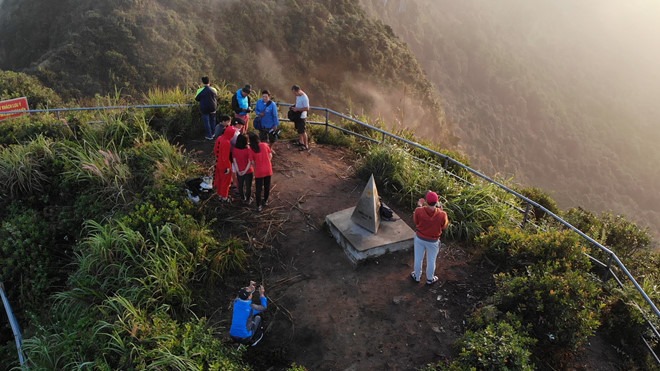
[(361, 244)]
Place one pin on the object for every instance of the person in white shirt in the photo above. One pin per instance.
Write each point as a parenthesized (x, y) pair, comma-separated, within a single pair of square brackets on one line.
[(301, 106)]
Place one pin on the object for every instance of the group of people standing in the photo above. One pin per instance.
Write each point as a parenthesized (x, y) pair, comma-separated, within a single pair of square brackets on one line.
[(241, 154)]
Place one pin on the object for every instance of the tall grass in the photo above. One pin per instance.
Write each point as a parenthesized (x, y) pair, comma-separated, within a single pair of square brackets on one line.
[(23, 167)]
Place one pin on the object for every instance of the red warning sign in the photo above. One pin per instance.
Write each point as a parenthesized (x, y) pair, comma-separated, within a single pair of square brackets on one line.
[(17, 104)]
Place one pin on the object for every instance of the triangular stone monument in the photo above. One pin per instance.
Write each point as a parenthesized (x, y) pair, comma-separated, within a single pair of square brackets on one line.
[(366, 213)]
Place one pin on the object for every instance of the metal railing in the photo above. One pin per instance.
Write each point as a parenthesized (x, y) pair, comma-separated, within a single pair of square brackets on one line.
[(445, 160), (15, 328)]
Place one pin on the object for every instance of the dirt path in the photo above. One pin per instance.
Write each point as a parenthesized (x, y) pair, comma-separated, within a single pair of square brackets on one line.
[(327, 314)]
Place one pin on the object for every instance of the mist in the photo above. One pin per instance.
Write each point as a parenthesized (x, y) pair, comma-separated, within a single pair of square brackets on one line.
[(556, 94)]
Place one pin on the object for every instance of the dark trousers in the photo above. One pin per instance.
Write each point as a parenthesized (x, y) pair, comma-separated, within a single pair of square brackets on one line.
[(245, 186), (265, 184)]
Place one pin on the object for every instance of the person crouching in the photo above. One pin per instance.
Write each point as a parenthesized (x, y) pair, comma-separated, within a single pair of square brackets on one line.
[(246, 327)]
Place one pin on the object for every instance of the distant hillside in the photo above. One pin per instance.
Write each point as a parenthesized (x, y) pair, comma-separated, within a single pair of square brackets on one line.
[(558, 94), (341, 57)]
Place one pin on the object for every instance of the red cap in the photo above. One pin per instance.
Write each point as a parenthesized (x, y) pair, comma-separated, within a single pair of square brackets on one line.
[(431, 197)]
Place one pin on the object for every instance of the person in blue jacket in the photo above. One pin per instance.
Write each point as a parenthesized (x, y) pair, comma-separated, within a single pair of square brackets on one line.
[(246, 325), (267, 118)]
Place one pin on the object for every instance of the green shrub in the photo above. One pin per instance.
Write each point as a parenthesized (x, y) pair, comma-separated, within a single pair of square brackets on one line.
[(474, 210), (23, 129), (542, 198), (28, 266), (513, 249), (18, 84), (615, 232), (561, 308), (332, 136), (498, 346), (23, 167), (225, 257)]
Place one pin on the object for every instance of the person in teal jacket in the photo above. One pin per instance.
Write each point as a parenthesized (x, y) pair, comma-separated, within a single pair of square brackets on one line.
[(246, 325)]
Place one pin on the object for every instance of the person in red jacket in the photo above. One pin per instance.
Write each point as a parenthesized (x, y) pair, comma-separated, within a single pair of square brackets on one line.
[(263, 169), (430, 220), (223, 172)]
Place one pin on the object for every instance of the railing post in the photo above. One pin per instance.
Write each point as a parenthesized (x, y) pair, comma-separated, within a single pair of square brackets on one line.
[(15, 328), (526, 215), (382, 137), (327, 120), (607, 268), (445, 164)]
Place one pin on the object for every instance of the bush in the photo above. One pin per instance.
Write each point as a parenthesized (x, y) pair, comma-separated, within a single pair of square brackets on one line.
[(513, 249), (23, 168), (27, 266), (474, 210), (498, 346), (615, 232), (18, 84), (561, 308), (542, 198)]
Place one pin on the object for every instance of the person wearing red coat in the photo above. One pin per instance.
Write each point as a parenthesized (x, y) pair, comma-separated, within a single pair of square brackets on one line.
[(222, 150)]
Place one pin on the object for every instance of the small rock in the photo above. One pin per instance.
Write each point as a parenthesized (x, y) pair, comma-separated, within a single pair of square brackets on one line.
[(398, 299)]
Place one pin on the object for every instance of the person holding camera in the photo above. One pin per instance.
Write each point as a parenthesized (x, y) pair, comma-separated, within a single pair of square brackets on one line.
[(267, 120), (299, 116), (246, 327), (430, 220), (240, 104)]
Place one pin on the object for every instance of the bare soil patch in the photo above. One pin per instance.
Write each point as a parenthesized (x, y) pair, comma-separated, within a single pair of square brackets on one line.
[(325, 313)]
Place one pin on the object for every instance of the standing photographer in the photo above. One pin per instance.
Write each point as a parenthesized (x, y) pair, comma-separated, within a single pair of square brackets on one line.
[(246, 325)]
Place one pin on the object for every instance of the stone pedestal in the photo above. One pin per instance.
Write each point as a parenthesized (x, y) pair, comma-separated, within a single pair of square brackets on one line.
[(361, 244)]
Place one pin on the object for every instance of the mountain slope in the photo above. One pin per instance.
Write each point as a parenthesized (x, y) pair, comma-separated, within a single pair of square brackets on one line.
[(558, 94), (341, 57)]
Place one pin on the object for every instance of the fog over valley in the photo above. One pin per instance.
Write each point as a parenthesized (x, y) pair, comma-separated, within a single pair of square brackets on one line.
[(557, 94)]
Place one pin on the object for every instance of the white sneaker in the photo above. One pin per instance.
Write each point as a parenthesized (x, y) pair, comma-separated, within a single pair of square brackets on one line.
[(261, 336)]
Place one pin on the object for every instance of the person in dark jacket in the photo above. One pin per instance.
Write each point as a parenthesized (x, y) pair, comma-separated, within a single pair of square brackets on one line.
[(207, 96), (240, 104)]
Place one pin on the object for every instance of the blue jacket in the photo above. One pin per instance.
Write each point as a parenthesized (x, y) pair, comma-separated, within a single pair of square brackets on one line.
[(270, 119), (243, 312)]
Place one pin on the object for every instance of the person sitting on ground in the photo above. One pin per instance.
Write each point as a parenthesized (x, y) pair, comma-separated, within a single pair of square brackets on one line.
[(246, 327)]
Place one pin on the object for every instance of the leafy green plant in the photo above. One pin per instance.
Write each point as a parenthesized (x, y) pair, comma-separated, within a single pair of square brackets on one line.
[(18, 84), (28, 267), (473, 210), (23, 167), (513, 249), (542, 198), (562, 308), (225, 257), (499, 346)]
